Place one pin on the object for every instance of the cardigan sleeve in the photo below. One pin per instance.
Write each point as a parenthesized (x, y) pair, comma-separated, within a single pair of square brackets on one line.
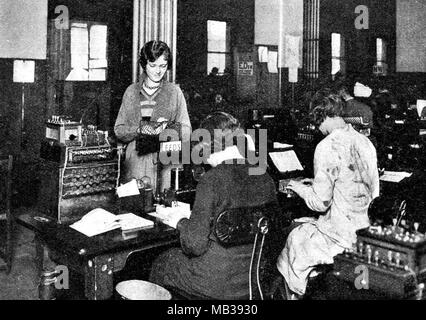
[(194, 232), (182, 115), (127, 121)]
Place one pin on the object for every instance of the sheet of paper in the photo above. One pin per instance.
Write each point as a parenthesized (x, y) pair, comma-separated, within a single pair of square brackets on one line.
[(421, 104), (395, 176), (272, 62), (286, 161), (263, 54), (292, 52), (129, 221), (128, 189), (279, 145), (95, 222), (292, 75), (23, 71)]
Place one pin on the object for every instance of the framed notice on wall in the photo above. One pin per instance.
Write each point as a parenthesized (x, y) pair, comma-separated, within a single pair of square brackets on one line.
[(245, 68)]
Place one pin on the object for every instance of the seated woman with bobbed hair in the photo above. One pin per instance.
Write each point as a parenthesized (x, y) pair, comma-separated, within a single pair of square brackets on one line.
[(345, 181), (201, 267)]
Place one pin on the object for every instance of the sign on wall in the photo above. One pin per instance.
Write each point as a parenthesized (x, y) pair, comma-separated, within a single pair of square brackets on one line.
[(245, 68)]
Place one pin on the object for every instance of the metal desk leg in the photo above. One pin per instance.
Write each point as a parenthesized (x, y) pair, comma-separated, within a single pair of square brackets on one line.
[(39, 254), (98, 278)]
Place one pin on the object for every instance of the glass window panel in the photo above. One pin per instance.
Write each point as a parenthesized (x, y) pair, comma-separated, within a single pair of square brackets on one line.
[(217, 60), (335, 45), (98, 41), (335, 65), (216, 35), (97, 74), (79, 47), (78, 74), (381, 49), (98, 63)]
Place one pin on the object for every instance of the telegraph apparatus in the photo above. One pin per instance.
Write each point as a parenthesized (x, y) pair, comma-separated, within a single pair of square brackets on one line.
[(79, 171)]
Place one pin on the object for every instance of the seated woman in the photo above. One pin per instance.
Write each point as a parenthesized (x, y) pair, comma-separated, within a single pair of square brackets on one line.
[(345, 182), (201, 267)]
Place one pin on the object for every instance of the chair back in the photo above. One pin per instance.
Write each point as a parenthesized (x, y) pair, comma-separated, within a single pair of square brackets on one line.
[(242, 226), (239, 226)]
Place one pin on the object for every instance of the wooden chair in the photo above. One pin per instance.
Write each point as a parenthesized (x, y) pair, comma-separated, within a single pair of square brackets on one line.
[(236, 227), (6, 219)]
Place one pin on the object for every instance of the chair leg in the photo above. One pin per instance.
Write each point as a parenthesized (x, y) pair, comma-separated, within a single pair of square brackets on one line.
[(278, 289)]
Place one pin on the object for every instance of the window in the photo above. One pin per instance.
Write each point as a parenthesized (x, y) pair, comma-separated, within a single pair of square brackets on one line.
[(311, 36), (381, 65), (218, 46), (88, 52), (338, 63)]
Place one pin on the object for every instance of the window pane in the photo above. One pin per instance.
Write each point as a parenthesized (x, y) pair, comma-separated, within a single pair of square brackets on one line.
[(335, 45), (381, 49), (97, 74), (98, 63), (217, 60), (98, 42), (78, 74), (335, 65), (79, 47), (216, 35)]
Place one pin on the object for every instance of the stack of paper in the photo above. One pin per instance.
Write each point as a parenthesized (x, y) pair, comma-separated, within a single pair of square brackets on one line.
[(100, 221), (130, 221), (96, 222)]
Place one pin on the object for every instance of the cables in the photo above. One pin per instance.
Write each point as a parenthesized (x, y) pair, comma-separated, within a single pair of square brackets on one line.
[(262, 227)]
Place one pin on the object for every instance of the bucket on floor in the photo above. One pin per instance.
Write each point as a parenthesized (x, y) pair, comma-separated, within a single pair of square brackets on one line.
[(141, 290)]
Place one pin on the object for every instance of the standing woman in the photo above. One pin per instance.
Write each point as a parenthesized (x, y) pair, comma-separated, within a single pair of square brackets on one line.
[(151, 93)]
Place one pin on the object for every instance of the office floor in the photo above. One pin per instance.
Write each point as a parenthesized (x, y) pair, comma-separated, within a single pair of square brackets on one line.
[(21, 283)]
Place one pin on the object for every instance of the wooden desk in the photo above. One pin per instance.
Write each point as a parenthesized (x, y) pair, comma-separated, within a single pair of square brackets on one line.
[(96, 258)]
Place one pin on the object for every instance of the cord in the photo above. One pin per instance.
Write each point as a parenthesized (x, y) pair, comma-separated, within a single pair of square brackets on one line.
[(117, 183), (61, 185), (263, 231), (251, 267), (258, 267)]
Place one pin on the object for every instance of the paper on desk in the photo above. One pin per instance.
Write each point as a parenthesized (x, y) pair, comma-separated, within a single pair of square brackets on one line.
[(130, 221), (163, 213), (286, 161), (128, 189), (421, 104), (278, 145), (394, 176), (96, 222)]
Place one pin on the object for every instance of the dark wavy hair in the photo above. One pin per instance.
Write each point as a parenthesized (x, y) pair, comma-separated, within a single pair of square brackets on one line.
[(325, 103), (154, 49), (228, 127)]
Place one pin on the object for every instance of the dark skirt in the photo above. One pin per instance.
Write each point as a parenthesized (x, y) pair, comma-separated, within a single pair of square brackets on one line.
[(218, 274)]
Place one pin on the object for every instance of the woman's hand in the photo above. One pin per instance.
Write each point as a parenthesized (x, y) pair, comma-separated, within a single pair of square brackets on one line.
[(296, 186)]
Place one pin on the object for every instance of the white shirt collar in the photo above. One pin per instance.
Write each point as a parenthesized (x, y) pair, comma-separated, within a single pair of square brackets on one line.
[(229, 153)]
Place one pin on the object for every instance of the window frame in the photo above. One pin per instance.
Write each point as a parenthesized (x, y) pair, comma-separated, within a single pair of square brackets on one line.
[(90, 23), (227, 53), (341, 58)]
